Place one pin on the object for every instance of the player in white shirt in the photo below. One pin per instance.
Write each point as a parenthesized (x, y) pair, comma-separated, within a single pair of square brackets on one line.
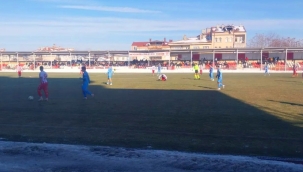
[(201, 68), (162, 77), (19, 69), (153, 69), (43, 84)]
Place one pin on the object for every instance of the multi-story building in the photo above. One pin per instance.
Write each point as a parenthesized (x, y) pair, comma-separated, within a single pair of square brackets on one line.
[(215, 37), (2, 49), (151, 45), (54, 48)]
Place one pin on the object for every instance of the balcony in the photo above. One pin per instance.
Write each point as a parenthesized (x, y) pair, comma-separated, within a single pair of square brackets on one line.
[(239, 45)]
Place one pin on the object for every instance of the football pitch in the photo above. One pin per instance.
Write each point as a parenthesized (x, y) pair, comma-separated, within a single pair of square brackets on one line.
[(253, 115)]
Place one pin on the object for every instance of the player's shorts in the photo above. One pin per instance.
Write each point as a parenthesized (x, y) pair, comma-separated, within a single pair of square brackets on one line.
[(109, 76), (196, 71), (153, 71)]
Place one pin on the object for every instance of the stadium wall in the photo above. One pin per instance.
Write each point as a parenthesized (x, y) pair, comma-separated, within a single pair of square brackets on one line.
[(148, 70)]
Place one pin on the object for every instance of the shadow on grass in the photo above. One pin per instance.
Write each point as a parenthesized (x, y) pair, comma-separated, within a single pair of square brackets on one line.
[(184, 120), (286, 81), (289, 103), (211, 88)]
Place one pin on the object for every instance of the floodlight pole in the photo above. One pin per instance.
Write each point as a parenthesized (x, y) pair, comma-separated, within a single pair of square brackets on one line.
[(191, 58), (89, 59), (70, 58), (1, 62), (108, 57), (213, 59), (237, 58), (285, 60), (128, 59), (169, 58), (261, 60), (17, 58), (34, 61)]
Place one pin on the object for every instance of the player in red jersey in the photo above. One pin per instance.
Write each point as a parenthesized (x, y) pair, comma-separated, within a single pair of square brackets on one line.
[(19, 69), (153, 70), (295, 73), (162, 77)]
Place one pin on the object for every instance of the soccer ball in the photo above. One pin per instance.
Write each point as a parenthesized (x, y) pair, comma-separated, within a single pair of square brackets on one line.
[(30, 98)]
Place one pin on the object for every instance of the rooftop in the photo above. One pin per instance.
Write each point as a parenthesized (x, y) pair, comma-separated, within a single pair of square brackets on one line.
[(54, 48)]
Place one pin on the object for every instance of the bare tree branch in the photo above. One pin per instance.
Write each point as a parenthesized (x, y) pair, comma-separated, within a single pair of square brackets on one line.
[(273, 40)]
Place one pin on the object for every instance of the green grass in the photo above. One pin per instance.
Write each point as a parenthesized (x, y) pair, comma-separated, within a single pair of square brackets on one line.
[(253, 115)]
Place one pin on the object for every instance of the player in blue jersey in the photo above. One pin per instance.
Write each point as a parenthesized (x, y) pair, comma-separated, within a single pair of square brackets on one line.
[(211, 73), (266, 68), (109, 75), (159, 69), (219, 77), (86, 81)]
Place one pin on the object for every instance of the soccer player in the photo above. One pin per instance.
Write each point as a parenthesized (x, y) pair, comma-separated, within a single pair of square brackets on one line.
[(86, 81), (211, 73), (219, 77), (109, 75), (196, 68), (266, 70), (19, 69), (153, 70), (43, 84), (162, 77), (201, 68), (159, 70), (295, 69)]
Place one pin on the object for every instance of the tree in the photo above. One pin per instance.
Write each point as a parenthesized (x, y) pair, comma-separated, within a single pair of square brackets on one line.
[(273, 40)]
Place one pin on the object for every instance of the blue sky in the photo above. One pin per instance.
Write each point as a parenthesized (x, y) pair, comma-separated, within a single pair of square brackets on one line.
[(26, 25)]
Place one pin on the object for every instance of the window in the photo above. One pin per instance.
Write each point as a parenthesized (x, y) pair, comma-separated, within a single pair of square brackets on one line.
[(220, 39), (226, 39), (229, 39), (135, 48), (216, 39)]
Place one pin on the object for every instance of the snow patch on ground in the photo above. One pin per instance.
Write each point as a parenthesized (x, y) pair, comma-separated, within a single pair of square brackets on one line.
[(18, 156)]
